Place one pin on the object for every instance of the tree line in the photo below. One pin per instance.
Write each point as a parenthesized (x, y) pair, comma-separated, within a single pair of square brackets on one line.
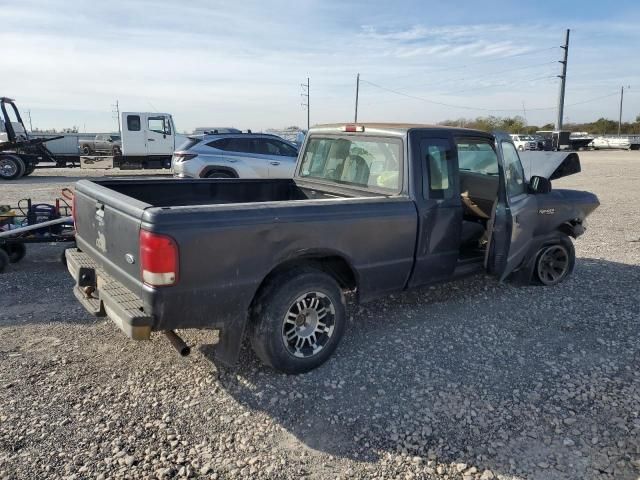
[(517, 124)]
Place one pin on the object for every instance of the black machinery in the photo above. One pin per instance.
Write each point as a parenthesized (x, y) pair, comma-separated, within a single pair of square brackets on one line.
[(19, 153), (30, 222)]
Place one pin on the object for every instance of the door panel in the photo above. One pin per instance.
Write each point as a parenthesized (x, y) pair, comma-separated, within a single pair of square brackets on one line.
[(513, 219), (159, 138), (439, 208), (243, 151)]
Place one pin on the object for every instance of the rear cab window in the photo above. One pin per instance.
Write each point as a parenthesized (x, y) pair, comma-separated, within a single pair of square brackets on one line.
[(133, 123), (373, 163), (436, 158)]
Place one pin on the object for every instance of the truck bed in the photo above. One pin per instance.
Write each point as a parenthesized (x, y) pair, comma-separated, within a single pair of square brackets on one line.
[(176, 193), (231, 233)]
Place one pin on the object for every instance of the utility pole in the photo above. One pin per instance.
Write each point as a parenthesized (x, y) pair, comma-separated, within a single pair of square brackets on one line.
[(30, 125), (524, 111), (357, 93), (620, 117), (563, 81), (116, 111), (306, 102)]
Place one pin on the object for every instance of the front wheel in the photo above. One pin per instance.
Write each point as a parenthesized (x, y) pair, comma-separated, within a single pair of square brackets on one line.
[(554, 263), (298, 320)]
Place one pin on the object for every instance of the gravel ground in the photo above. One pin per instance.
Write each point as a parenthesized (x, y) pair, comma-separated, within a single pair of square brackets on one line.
[(467, 380)]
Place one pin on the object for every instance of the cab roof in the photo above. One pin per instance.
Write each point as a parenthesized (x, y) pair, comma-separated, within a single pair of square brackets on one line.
[(389, 128)]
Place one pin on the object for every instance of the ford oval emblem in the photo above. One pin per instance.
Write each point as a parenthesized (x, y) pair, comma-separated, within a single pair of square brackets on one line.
[(129, 258)]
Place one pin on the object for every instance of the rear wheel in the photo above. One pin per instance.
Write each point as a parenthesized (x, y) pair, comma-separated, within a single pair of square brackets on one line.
[(4, 260), (298, 320), (29, 169), (11, 167), (86, 150), (554, 263), (15, 251)]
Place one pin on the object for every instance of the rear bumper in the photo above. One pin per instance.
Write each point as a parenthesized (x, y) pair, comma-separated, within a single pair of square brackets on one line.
[(101, 295)]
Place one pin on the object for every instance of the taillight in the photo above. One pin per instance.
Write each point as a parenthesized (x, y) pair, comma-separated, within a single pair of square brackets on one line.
[(158, 259)]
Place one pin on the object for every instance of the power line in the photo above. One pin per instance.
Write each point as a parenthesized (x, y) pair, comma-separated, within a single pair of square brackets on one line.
[(448, 80), (482, 62), (467, 107)]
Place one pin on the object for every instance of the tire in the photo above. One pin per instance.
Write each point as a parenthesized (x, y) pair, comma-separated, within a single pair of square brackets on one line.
[(286, 328), (4, 260), (554, 262), (521, 148), (15, 251), (86, 150), (11, 167), (29, 169), (218, 174)]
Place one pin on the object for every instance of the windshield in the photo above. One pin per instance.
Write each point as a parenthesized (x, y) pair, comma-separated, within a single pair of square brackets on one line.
[(373, 163)]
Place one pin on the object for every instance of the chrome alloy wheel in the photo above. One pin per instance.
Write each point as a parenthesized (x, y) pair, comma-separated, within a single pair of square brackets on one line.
[(553, 264), (308, 324)]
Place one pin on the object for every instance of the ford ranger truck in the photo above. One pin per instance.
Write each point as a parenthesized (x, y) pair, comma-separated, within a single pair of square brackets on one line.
[(372, 209)]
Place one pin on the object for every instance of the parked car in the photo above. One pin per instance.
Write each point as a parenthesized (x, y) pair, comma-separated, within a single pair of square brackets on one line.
[(106, 144), (235, 155), (372, 209), (524, 142), (611, 143)]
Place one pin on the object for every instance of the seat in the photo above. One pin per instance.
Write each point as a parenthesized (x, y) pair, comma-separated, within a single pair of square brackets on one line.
[(355, 170)]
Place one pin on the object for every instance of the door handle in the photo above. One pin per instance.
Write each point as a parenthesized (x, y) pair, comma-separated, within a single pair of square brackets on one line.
[(274, 163), (151, 139)]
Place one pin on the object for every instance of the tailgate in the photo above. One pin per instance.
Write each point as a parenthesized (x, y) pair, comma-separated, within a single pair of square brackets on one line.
[(107, 229)]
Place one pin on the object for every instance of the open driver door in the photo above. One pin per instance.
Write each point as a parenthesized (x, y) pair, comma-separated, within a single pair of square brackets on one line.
[(513, 218)]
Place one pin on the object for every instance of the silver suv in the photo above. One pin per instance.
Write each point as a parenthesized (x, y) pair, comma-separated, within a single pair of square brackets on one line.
[(235, 155)]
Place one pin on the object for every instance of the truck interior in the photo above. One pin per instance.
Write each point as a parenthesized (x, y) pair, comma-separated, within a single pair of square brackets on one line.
[(479, 182)]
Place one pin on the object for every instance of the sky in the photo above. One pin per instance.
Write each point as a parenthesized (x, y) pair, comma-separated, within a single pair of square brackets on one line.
[(242, 63)]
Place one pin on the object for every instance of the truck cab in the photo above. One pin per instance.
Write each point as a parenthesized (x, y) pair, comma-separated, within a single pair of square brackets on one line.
[(148, 139)]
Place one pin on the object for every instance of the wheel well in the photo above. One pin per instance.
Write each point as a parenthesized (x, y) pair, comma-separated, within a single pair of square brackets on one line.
[(572, 228), (212, 169), (334, 265)]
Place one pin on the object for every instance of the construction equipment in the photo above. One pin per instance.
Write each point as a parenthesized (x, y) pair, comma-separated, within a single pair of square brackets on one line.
[(19, 153)]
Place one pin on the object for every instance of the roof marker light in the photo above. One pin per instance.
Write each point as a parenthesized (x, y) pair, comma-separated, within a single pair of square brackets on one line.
[(353, 128)]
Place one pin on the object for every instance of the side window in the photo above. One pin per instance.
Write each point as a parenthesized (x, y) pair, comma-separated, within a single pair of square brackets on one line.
[(222, 144), (436, 157), (285, 149), (240, 145), (157, 124), (513, 171), (133, 123), (477, 155)]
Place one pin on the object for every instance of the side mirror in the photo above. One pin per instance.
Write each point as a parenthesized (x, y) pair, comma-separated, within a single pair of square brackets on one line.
[(539, 184)]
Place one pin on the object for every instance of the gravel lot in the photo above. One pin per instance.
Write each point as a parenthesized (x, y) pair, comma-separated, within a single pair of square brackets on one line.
[(467, 380)]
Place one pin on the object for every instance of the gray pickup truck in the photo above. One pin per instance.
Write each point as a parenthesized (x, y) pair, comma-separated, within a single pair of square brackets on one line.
[(106, 144), (372, 209)]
